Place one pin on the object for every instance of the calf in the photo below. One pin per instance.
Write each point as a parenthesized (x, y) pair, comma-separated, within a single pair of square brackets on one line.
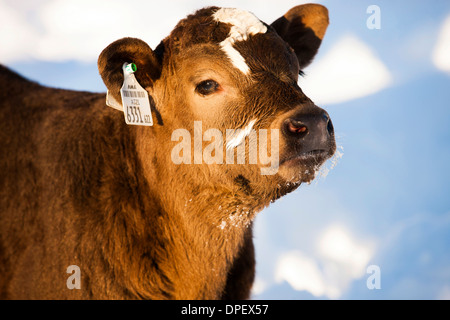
[(154, 212)]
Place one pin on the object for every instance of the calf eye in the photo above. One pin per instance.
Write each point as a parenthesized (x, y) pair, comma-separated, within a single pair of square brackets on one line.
[(207, 87)]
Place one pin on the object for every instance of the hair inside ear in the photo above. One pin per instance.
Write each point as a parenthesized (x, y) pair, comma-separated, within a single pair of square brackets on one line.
[(303, 28)]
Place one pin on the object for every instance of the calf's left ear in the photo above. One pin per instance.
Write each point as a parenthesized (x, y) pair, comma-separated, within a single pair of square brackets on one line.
[(131, 50), (303, 28)]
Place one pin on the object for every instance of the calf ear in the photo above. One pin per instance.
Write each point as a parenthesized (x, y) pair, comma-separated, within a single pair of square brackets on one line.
[(112, 58), (303, 28)]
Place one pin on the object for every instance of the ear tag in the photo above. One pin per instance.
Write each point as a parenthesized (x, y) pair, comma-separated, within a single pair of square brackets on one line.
[(113, 103), (135, 102)]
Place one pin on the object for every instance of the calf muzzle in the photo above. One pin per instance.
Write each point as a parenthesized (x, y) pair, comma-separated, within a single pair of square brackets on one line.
[(310, 133)]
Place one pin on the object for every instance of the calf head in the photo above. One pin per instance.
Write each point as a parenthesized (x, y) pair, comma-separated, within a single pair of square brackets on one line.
[(223, 69)]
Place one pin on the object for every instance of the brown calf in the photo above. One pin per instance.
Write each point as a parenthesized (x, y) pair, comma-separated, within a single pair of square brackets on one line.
[(80, 187)]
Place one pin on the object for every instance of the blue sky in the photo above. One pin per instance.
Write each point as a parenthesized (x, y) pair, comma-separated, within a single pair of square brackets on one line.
[(385, 203)]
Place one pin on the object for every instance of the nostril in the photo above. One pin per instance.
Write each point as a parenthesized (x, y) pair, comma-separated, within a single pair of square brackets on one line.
[(327, 119), (297, 127), (330, 128)]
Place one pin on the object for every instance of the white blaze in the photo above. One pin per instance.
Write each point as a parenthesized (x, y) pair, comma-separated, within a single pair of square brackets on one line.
[(243, 24)]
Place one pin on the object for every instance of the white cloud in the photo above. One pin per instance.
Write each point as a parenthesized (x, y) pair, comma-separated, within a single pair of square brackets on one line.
[(301, 272), (53, 30), (80, 29), (337, 246), (259, 286), (341, 259), (17, 37), (441, 52), (349, 70)]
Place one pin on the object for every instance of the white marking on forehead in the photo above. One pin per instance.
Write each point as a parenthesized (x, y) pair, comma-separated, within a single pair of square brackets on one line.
[(243, 24), (239, 135)]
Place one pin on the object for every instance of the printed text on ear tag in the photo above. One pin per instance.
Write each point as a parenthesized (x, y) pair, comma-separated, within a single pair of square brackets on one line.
[(135, 101)]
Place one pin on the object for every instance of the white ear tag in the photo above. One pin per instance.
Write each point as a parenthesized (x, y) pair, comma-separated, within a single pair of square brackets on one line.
[(113, 103), (135, 102)]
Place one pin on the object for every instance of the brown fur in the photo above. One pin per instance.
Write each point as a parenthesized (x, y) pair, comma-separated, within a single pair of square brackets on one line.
[(80, 187)]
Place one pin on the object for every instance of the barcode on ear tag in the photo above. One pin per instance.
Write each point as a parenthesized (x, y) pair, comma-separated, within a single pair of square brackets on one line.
[(135, 101)]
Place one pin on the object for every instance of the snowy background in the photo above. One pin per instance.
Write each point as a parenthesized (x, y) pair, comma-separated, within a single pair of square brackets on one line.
[(386, 202)]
